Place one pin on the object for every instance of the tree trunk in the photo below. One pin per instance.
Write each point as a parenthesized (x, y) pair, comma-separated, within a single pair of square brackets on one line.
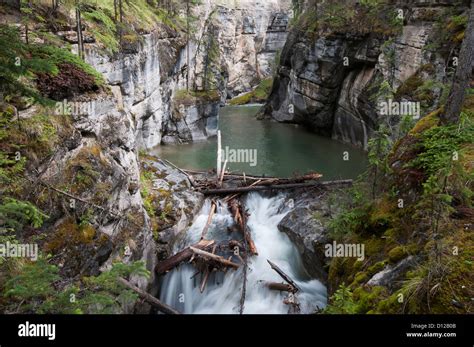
[(240, 217), (26, 34), (178, 258), (187, 48), (162, 307), (214, 257), (80, 48), (121, 20), (115, 12), (463, 74), (284, 275), (226, 191), (209, 220), (281, 287)]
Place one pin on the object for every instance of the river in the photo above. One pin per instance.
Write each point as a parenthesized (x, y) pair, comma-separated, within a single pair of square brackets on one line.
[(281, 150), (181, 288)]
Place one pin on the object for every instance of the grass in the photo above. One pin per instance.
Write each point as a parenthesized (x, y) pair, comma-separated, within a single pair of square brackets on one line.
[(258, 95)]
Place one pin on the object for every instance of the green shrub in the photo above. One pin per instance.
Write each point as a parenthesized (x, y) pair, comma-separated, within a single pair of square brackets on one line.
[(341, 302), (16, 214)]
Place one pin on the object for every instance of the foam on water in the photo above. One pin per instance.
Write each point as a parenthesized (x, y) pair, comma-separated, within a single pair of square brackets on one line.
[(223, 291)]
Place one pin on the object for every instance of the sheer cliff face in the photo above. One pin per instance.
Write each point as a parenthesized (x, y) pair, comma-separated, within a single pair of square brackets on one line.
[(332, 83), (247, 36), (232, 48), (138, 110)]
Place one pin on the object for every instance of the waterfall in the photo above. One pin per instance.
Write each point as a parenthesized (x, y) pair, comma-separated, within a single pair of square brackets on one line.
[(223, 291)]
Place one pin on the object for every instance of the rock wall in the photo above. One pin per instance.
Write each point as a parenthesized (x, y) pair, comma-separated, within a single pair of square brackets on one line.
[(146, 77), (332, 83), (102, 149), (106, 131), (138, 109), (144, 81), (248, 38)]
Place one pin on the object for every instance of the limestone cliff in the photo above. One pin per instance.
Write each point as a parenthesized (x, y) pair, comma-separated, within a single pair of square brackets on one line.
[(106, 202), (247, 37), (333, 79)]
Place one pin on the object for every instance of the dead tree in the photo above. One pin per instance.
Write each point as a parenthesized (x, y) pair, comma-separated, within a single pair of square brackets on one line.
[(214, 257), (80, 41), (240, 218), (281, 287), (283, 275), (209, 219), (162, 307), (180, 257)]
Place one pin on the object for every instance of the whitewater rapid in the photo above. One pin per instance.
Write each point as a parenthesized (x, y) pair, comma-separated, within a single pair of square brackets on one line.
[(223, 291)]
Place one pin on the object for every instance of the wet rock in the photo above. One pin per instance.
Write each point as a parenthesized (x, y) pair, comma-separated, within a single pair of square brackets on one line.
[(185, 204), (200, 123), (314, 88), (309, 236), (306, 226)]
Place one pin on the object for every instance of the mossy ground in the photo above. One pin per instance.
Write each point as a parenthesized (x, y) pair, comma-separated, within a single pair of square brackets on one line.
[(440, 240), (258, 95), (157, 201)]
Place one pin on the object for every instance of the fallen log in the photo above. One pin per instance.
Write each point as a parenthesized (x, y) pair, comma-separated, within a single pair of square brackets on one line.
[(162, 307), (234, 243), (250, 177), (234, 207), (209, 219), (207, 272), (252, 247), (240, 190), (283, 275), (229, 198), (240, 218), (214, 257), (312, 176), (182, 256), (248, 237), (281, 287)]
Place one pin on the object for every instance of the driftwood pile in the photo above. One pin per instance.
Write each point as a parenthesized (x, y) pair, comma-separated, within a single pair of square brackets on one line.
[(208, 256)]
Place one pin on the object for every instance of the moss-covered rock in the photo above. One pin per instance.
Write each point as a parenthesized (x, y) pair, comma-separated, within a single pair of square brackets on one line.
[(396, 254), (258, 95)]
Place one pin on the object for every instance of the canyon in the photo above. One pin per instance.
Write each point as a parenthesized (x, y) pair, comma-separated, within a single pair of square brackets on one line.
[(167, 85)]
